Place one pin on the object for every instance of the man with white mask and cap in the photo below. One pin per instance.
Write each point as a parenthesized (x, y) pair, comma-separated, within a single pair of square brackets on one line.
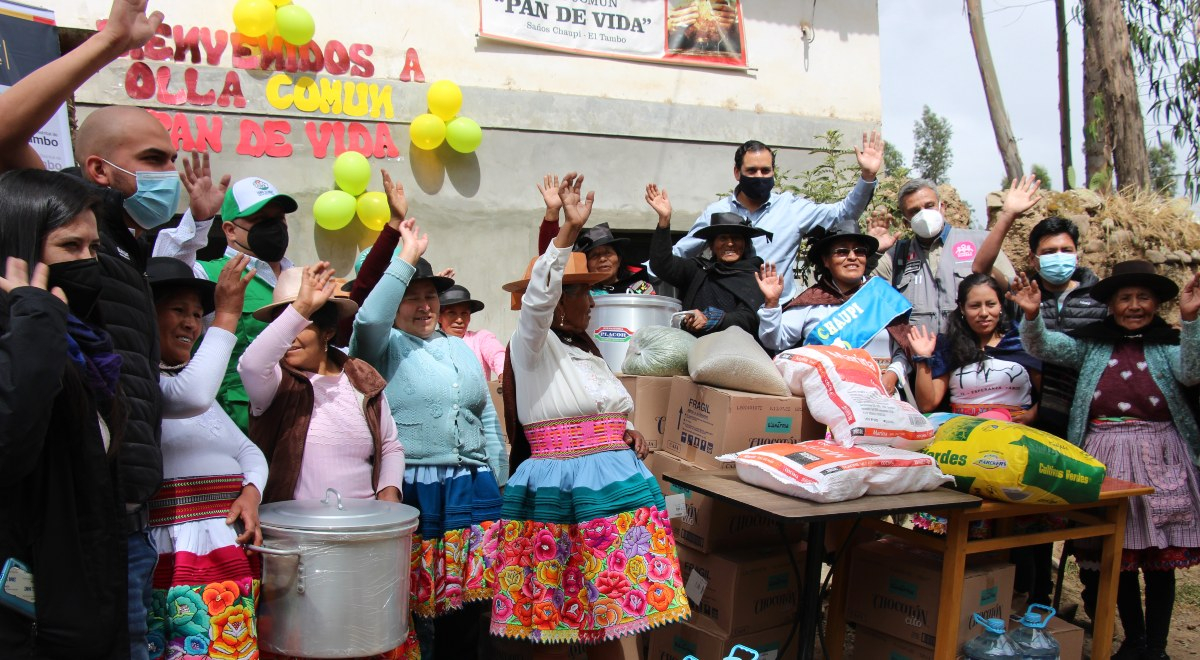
[(928, 267)]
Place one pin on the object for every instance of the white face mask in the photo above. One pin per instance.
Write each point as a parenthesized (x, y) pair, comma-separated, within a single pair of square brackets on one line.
[(928, 223)]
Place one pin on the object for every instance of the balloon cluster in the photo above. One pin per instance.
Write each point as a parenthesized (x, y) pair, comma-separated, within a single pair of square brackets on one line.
[(335, 209), (254, 18), (441, 124)]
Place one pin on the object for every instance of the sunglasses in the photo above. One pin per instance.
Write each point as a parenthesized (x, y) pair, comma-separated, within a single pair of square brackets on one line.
[(844, 252)]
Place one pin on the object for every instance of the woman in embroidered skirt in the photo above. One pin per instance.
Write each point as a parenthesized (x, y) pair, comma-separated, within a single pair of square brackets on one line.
[(455, 456), (584, 550), (205, 586), (1131, 411)]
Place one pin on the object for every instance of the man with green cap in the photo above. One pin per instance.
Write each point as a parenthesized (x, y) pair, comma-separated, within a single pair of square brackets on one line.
[(254, 221)]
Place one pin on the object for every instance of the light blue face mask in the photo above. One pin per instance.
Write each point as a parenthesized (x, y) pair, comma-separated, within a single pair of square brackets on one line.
[(1057, 267), (157, 195)]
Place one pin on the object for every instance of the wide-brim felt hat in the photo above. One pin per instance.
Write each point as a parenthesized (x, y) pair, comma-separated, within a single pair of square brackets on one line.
[(576, 272), (817, 248), (287, 288), (596, 236), (167, 273), (1135, 273), (425, 272), (729, 223), (459, 294)]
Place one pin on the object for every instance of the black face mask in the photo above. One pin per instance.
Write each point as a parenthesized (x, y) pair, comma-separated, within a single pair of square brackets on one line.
[(81, 280), (757, 188), (268, 240)]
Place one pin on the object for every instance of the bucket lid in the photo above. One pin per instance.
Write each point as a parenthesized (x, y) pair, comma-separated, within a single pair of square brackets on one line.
[(333, 514), (637, 300)]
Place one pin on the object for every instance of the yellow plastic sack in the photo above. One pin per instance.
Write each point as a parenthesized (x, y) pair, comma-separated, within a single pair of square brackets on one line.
[(1012, 462)]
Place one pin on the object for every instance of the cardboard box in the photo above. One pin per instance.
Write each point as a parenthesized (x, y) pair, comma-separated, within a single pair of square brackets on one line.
[(896, 589), (651, 394), (705, 422), (680, 640), (746, 590), (709, 525), (871, 644), (1068, 635)]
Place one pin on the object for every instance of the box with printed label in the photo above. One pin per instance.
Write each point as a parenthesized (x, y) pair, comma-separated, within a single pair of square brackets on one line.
[(708, 524), (895, 589), (705, 422), (677, 641), (743, 590), (650, 394), (873, 645)]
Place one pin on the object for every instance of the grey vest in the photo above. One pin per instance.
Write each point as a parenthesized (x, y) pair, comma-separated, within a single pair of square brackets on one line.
[(934, 297)]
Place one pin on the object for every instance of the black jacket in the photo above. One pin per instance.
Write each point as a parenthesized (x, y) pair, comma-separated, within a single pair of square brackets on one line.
[(126, 306), (706, 282), (60, 511), (1058, 382)]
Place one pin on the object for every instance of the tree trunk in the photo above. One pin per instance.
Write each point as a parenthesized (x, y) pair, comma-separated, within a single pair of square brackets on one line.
[(1097, 138), (1064, 96), (991, 89), (1121, 105)]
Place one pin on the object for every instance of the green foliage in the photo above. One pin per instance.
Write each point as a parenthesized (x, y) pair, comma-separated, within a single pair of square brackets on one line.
[(932, 156), (1162, 169), (893, 160), (830, 180), (1042, 174)]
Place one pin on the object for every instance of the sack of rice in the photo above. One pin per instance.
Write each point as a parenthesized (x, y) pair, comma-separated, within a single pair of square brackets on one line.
[(734, 360)]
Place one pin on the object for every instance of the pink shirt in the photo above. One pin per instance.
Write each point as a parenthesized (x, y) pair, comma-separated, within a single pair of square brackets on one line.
[(489, 350), (337, 451)]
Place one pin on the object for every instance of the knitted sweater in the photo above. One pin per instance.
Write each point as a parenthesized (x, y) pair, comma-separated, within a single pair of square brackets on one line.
[(436, 388), (1170, 367)]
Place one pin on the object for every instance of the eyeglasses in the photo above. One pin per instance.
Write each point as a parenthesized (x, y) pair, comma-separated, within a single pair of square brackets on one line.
[(844, 252)]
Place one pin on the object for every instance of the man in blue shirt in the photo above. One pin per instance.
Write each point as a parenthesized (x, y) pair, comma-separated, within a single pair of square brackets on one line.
[(786, 215)]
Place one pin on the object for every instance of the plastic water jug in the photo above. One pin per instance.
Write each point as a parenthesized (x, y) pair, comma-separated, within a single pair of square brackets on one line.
[(992, 643), (1030, 637)]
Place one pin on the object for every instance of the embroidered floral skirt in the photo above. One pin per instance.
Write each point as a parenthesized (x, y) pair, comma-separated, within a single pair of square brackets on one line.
[(584, 552), (458, 506)]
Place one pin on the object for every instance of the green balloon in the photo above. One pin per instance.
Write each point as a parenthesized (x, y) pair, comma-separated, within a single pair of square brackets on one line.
[(295, 24), (334, 209), (352, 172), (463, 135)]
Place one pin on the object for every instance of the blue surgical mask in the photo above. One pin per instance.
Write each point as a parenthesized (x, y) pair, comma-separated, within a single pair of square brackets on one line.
[(153, 203), (1057, 267)]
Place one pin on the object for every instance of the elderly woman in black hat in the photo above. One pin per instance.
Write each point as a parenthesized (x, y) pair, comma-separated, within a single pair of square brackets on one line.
[(842, 308), (719, 290), (1132, 412), (455, 319), (213, 476)]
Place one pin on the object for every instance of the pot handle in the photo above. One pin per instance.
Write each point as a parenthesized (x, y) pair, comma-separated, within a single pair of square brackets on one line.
[(678, 317), (335, 494), (284, 553)]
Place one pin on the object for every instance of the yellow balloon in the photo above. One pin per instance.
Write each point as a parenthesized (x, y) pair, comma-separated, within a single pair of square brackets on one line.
[(373, 210), (352, 172), (334, 209), (280, 3), (445, 99), (295, 24), (427, 131), (254, 18)]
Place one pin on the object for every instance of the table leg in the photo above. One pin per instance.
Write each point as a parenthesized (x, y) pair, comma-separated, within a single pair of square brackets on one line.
[(1110, 571), (810, 599), (954, 560), (835, 621)]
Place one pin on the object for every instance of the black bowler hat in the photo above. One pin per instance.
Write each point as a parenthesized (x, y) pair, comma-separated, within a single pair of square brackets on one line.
[(425, 272), (1135, 273), (166, 273), (594, 237), (459, 294), (730, 223), (818, 245)]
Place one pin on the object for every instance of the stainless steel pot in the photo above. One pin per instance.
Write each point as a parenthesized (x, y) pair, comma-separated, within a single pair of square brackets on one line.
[(618, 317), (335, 576)]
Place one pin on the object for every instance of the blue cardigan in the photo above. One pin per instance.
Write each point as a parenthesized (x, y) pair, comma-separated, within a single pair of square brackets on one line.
[(1170, 366), (438, 395)]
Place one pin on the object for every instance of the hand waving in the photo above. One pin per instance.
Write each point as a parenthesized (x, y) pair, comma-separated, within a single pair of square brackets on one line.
[(578, 208), (205, 197), (396, 200), (230, 296), (770, 283), (415, 243), (1027, 295), (1189, 299), (549, 189), (316, 288), (879, 226), (922, 342), (128, 26), (870, 157), (1022, 195), (657, 199)]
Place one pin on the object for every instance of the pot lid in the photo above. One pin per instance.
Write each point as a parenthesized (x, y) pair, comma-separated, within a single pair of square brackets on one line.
[(334, 514)]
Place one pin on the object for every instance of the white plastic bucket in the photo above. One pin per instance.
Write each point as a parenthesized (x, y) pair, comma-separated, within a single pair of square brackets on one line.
[(617, 318)]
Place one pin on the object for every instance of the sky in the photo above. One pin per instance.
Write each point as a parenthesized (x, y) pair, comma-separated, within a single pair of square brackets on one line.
[(927, 59)]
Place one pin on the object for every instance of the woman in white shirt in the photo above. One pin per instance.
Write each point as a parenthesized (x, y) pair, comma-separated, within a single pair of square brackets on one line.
[(584, 550)]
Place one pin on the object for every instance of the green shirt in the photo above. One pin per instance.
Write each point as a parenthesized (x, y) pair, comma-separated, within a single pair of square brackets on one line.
[(232, 395)]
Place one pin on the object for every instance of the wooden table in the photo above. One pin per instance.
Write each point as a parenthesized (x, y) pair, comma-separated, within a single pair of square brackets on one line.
[(1104, 519), (724, 485)]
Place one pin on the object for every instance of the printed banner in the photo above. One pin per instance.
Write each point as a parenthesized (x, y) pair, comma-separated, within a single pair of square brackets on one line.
[(28, 40), (692, 32)]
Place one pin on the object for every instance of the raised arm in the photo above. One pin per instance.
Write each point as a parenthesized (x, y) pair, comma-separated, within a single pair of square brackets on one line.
[(1046, 345), (843, 216), (774, 332), (549, 227), (373, 323), (1188, 369), (928, 388), (30, 103), (385, 244), (671, 268), (1021, 197)]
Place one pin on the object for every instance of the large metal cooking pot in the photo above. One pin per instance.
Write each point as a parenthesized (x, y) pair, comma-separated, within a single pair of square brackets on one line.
[(335, 576), (617, 318)]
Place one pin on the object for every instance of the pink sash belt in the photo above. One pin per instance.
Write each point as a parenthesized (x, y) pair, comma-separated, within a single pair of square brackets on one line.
[(573, 437)]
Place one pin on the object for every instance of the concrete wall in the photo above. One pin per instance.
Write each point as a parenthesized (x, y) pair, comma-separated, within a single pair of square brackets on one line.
[(622, 123)]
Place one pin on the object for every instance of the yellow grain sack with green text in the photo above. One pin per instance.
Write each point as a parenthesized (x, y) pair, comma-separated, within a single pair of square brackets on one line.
[(1014, 463)]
